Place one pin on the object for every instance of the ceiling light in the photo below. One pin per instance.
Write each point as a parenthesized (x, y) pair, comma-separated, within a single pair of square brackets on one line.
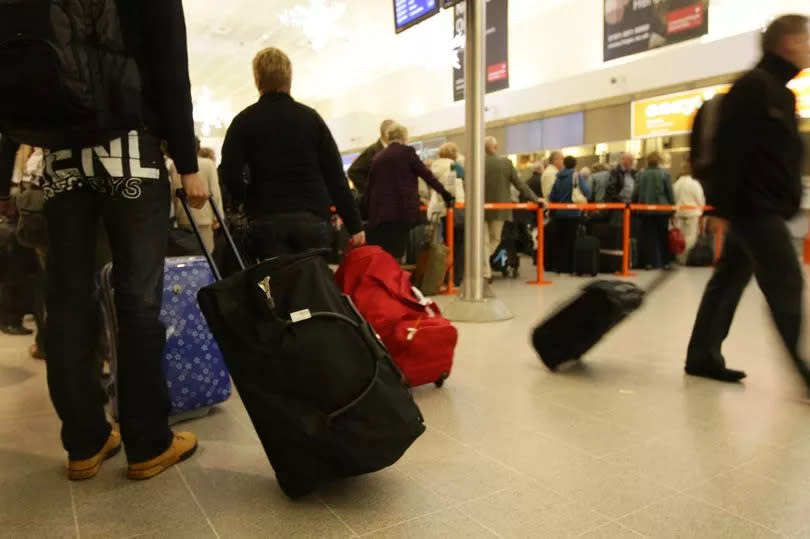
[(318, 21)]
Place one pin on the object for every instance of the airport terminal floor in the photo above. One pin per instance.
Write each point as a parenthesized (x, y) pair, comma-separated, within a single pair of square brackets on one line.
[(623, 445)]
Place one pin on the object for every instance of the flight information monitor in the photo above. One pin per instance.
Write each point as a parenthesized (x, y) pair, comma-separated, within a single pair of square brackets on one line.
[(410, 12)]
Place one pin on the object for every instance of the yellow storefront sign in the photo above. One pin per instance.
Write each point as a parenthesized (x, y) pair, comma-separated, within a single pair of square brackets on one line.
[(674, 114), (671, 114), (801, 86)]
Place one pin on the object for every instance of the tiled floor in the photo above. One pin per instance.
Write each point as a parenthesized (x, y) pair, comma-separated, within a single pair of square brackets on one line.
[(623, 446)]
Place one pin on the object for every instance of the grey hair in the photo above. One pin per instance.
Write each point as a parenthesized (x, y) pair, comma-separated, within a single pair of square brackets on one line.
[(397, 132)]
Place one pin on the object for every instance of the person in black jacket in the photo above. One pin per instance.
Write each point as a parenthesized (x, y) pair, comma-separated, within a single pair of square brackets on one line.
[(757, 160), (360, 170), (296, 171), (118, 178)]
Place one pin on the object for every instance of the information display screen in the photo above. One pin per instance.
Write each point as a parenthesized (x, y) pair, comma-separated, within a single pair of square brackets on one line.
[(410, 12)]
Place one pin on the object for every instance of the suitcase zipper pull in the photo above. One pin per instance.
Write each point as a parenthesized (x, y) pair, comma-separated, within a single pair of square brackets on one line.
[(264, 286)]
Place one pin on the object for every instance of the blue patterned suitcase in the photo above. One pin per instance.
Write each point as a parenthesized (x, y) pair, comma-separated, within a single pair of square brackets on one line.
[(196, 374)]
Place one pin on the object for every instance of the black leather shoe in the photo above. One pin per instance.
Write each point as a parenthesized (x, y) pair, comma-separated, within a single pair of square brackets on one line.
[(721, 374), (10, 329)]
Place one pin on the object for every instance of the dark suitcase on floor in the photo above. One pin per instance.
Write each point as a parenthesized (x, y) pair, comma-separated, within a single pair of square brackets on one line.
[(610, 260), (568, 334), (586, 256), (321, 390)]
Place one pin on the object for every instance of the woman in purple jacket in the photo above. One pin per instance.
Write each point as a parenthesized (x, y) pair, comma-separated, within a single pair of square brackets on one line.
[(392, 197)]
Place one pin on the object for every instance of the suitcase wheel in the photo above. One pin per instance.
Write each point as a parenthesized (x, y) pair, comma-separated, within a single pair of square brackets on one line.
[(442, 378)]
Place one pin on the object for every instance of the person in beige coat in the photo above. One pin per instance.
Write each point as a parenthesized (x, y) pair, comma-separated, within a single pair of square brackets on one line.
[(205, 218), (499, 177)]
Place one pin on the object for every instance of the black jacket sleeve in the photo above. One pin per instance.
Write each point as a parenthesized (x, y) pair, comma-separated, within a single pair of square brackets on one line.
[(232, 168), (8, 154), (360, 170), (165, 59), (332, 169), (614, 186)]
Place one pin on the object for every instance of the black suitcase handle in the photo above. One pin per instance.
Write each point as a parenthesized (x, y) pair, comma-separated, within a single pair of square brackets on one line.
[(209, 256)]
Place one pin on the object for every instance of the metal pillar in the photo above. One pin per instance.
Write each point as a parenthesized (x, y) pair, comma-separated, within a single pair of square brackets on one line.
[(475, 305)]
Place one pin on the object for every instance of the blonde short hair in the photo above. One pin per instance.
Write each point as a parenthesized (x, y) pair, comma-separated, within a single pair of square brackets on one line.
[(272, 71), (397, 133), (448, 150)]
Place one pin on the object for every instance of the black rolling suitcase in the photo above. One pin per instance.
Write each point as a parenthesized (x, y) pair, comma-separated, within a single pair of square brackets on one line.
[(586, 256), (321, 390), (576, 328)]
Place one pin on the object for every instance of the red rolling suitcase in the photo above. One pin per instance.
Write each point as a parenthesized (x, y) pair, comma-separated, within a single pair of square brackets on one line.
[(419, 338)]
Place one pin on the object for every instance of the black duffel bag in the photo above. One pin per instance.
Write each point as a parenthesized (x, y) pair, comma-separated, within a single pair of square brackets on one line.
[(324, 395)]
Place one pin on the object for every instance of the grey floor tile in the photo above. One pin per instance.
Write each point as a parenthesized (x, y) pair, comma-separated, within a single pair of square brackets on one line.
[(376, 501), (782, 507), (532, 511), (36, 503), (613, 530), (444, 524), (242, 498), (682, 516), (443, 466), (112, 506)]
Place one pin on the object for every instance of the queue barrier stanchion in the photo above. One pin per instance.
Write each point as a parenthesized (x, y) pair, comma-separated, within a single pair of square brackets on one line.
[(541, 248), (450, 238)]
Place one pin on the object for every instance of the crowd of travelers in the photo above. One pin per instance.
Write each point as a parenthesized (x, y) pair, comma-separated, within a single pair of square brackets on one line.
[(108, 198)]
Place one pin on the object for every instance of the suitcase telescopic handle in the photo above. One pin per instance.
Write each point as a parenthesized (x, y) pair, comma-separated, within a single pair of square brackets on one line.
[(209, 256)]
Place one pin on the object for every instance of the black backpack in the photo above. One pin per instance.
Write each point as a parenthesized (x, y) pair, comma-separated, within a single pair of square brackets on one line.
[(702, 147), (66, 78)]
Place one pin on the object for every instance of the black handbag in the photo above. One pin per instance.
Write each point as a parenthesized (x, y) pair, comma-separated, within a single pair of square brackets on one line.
[(324, 395)]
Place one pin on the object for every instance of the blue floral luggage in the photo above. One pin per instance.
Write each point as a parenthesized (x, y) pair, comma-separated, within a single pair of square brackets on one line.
[(196, 374)]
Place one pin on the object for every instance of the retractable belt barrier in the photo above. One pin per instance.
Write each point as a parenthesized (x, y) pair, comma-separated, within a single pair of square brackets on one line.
[(541, 207)]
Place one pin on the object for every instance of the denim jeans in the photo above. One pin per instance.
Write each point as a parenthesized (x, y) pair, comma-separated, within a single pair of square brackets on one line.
[(124, 185)]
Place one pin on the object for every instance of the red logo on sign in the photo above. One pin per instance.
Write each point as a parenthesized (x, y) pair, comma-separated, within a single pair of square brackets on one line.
[(684, 19), (497, 72)]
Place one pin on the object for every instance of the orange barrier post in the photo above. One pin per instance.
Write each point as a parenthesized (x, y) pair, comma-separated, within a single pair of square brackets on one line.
[(626, 244), (719, 237), (541, 238), (807, 248), (451, 240)]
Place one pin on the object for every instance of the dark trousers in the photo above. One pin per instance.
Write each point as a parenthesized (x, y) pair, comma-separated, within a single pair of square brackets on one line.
[(653, 231), (288, 233), (392, 237), (129, 192), (565, 238), (763, 248)]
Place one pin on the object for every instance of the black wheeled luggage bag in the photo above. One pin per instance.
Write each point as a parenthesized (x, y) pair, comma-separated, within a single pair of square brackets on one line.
[(576, 328), (321, 390)]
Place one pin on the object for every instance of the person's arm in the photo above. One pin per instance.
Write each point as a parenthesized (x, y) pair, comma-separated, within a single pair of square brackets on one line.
[(521, 186), (361, 168), (166, 61), (585, 187), (421, 171), (670, 194), (232, 166), (637, 189), (555, 195), (615, 184), (331, 166)]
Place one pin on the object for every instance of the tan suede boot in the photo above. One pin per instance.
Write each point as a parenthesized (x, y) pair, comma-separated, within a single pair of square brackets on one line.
[(87, 468), (183, 446)]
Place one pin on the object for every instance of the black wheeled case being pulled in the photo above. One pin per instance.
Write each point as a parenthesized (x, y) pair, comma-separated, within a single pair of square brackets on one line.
[(576, 328), (322, 391)]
